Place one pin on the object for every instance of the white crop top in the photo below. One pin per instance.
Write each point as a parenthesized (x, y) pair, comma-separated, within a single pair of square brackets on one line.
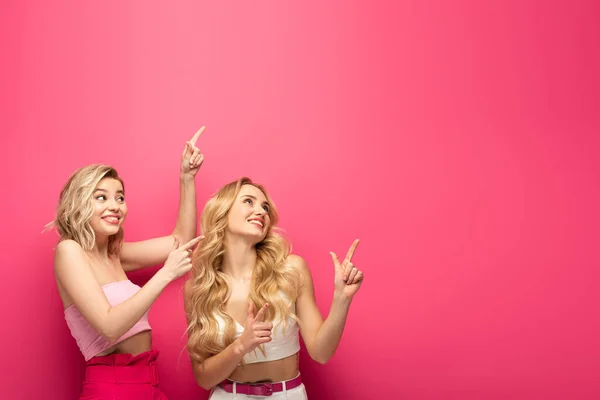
[(282, 344)]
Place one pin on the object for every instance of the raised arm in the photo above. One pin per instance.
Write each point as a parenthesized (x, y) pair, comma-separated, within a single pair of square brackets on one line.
[(146, 253), (322, 337)]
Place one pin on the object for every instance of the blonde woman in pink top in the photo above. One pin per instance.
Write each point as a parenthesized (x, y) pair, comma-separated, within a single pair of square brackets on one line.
[(106, 313)]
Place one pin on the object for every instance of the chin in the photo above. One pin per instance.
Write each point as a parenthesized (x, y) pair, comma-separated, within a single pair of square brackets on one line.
[(107, 232), (254, 237), (251, 235), (258, 239)]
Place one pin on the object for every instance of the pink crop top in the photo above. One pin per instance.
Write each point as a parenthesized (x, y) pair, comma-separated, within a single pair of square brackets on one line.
[(91, 342)]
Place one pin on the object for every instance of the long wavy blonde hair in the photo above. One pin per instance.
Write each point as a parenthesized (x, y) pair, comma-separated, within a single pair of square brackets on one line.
[(207, 288), (75, 208)]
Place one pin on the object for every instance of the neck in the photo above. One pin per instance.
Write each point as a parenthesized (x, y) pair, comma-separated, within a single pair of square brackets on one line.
[(100, 249), (239, 258)]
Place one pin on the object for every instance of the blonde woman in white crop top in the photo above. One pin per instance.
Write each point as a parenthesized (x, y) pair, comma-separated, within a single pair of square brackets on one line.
[(248, 299)]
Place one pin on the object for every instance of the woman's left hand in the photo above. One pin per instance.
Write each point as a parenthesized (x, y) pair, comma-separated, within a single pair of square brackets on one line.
[(348, 278), (191, 159)]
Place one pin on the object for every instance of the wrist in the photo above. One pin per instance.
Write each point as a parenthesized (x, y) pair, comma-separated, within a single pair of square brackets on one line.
[(164, 277), (238, 348), (186, 177), (341, 298)]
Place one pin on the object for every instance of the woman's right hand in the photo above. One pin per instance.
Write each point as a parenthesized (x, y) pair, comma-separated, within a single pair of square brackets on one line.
[(256, 331), (179, 261)]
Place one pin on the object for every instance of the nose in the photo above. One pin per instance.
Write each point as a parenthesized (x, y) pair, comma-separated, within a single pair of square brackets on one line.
[(259, 211), (113, 205)]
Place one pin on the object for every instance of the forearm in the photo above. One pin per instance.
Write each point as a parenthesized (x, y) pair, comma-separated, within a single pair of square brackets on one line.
[(121, 318), (218, 367), (185, 228), (330, 333)]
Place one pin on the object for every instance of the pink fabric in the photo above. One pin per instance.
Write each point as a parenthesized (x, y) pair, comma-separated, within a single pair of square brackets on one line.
[(260, 389), (90, 342), (122, 377)]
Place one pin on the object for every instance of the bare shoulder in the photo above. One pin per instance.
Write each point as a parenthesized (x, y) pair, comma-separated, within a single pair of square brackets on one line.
[(297, 262), (68, 252), (68, 248), (299, 265), (68, 245)]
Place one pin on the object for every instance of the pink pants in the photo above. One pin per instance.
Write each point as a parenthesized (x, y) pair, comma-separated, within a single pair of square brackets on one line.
[(122, 377)]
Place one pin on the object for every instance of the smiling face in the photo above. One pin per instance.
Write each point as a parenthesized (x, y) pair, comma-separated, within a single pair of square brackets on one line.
[(110, 208), (249, 215)]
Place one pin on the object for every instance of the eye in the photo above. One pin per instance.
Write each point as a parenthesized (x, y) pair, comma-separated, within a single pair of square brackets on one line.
[(266, 208), (101, 197), (248, 200), (121, 199)]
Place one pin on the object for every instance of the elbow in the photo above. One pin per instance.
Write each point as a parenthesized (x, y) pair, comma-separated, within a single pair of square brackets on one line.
[(109, 335), (106, 328), (320, 358), (182, 237), (110, 338), (203, 383)]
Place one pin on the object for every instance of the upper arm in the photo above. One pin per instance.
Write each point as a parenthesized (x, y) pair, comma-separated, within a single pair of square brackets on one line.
[(72, 270), (306, 306), (145, 253)]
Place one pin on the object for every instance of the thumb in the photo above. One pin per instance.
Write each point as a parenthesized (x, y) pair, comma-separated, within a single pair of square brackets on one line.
[(336, 261), (260, 316), (250, 310)]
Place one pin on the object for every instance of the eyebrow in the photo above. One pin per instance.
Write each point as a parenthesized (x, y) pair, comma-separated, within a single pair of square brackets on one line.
[(106, 191), (252, 197)]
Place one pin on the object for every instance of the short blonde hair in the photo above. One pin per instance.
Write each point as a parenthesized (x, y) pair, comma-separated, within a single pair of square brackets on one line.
[(75, 209)]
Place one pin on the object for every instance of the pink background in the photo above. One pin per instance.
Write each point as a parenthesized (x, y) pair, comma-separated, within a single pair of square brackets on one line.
[(457, 139)]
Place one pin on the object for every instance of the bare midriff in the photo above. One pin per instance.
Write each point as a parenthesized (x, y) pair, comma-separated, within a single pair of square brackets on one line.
[(268, 371), (136, 344)]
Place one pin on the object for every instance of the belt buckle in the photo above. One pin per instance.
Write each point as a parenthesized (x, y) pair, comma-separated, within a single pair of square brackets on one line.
[(261, 389)]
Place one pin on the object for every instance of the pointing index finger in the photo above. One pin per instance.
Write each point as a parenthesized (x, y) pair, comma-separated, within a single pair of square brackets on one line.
[(260, 315), (350, 253), (191, 243), (197, 135)]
